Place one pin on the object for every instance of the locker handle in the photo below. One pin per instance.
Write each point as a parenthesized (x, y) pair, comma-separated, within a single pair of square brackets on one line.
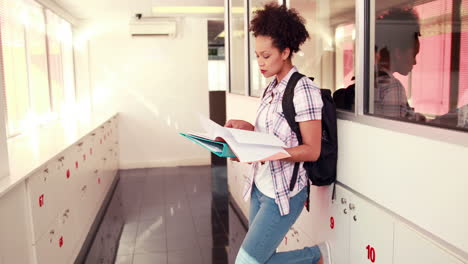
[(61, 158), (355, 218), (345, 211), (104, 159), (93, 134), (96, 171), (46, 170), (84, 188), (351, 206), (343, 200), (52, 232), (80, 144)]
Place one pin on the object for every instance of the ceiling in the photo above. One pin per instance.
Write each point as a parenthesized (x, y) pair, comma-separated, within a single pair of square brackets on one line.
[(92, 9)]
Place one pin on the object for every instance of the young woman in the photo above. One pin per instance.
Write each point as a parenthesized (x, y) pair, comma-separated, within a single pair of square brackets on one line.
[(274, 208)]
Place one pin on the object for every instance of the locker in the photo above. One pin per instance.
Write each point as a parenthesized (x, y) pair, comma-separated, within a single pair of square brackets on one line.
[(413, 247), (42, 192), (339, 226), (371, 233)]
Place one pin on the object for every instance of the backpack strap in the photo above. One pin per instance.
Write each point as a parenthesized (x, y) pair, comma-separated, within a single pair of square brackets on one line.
[(290, 114)]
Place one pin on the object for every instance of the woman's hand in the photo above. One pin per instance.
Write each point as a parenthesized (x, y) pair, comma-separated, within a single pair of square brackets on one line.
[(239, 124)]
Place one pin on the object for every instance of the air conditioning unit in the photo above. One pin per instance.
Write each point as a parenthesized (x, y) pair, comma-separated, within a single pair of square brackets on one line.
[(148, 26)]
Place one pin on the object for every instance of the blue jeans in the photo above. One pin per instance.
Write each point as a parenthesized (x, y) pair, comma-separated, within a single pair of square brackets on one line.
[(267, 228)]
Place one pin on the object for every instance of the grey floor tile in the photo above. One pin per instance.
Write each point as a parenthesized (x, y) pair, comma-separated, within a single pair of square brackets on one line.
[(182, 241), (185, 256), (150, 230), (124, 259), (150, 258), (153, 212), (126, 248), (144, 246)]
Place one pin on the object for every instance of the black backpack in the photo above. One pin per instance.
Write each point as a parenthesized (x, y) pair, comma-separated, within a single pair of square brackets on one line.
[(323, 171)]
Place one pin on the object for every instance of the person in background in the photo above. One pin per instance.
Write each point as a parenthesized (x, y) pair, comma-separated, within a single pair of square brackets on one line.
[(274, 208), (396, 46)]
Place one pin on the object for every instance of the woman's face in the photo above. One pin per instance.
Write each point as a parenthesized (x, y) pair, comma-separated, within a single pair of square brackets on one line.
[(270, 59)]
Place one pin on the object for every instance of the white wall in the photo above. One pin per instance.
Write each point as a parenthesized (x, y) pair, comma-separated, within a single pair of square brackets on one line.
[(158, 84)]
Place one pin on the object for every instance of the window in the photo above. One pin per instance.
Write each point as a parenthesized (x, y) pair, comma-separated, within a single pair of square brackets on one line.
[(60, 56), (15, 71), (420, 71), (328, 55), (237, 47), (257, 81), (37, 64)]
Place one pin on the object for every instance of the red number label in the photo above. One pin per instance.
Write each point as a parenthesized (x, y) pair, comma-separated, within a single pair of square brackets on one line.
[(41, 200), (370, 253), (100, 141), (99, 180), (76, 164), (68, 174), (61, 241), (84, 156), (90, 151), (332, 222)]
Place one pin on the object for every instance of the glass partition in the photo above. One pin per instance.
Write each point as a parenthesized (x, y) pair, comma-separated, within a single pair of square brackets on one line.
[(328, 56), (237, 47), (420, 73), (257, 81)]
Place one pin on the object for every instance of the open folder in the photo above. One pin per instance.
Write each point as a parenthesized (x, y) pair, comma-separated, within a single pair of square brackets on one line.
[(247, 146)]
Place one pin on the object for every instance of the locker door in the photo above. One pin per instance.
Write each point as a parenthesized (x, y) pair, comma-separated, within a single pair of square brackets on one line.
[(44, 204), (371, 233), (339, 225), (413, 247)]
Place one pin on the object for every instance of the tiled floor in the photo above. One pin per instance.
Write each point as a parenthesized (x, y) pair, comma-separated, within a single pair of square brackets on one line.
[(176, 215)]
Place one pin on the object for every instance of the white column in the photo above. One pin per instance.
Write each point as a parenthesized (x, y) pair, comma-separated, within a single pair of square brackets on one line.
[(4, 167)]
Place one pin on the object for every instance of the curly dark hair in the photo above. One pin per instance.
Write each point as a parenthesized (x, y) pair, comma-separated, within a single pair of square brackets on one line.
[(285, 26)]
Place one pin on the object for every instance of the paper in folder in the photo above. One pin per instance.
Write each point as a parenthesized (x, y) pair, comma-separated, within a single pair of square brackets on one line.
[(221, 149), (247, 146)]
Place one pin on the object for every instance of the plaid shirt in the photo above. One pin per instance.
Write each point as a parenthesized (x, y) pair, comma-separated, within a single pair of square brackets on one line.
[(390, 97), (308, 104)]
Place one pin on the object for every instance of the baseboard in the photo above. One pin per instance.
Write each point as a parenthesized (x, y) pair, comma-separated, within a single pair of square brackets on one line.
[(164, 163)]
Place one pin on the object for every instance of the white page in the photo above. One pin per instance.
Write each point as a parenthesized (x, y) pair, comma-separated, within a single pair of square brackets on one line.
[(252, 153), (252, 137), (213, 129)]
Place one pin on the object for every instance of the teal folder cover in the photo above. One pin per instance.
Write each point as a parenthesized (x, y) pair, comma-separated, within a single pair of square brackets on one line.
[(226, 150)]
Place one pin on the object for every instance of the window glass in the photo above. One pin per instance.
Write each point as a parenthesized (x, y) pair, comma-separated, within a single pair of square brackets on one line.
[(36, 52), (237, 48), (257, 82), (328, 56), (55, 60), (15, 74), (420, 73)]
